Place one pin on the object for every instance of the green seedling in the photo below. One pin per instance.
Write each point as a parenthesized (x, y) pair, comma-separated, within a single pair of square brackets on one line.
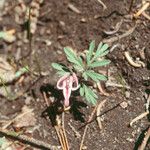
[(82, 70)]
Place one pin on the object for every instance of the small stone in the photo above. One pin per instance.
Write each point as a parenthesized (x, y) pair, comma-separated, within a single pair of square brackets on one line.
[(83, 20), (124, 105), (127, 94)]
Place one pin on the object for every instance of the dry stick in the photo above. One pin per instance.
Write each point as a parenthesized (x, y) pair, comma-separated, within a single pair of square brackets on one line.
[(86, 127), (102, 3), (64, 132), (77, 134), (139, 117), (29, 140), (131, 62), (59, 136), (100, 105), (144, 7), (143, 145), (45, 98), (143, 114), (111, 84), (74, 9), (60, 132), (103, 92), (113, 39), (17, 117), (117, 27)]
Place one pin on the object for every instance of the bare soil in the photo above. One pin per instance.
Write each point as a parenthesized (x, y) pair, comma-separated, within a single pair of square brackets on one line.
[(60, 26)]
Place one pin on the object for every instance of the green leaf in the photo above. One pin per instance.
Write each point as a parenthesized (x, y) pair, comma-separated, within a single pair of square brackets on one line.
[(89, 95), (99, 63), (90, 51), (95, 76), (82, 91), (2, 140), (100, 51), (62, 73), (84, 75), (57, 66), (22, 71), (71, 56), (78, 68)]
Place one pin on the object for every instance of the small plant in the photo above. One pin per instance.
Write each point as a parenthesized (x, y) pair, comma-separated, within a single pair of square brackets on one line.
[(82, 69)]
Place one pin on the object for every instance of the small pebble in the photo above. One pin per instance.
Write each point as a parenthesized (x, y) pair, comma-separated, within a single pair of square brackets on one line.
[(124, 105), (83, 20), (127, 94)]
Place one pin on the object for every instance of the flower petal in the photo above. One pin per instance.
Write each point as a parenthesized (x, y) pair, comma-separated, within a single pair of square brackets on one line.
[(60, 82), (75, 86), (67, 87)]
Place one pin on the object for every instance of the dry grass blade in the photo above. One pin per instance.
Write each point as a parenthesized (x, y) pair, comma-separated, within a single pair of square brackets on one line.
[(102, 91), (17, 118), (64, 132), (99, 107), (139, 117), (144, 7), (143, 114), (60, 130), (74, 9), (86, 127), (77, 134), (31, 141), (102, 3)]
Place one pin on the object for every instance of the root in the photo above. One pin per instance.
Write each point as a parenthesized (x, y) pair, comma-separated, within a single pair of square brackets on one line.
[(99, 107), (139, 117), (102, 3), (116, 38), (131, 62)]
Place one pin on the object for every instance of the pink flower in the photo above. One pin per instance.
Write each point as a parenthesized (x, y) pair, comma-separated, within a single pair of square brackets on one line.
[(68, 83)]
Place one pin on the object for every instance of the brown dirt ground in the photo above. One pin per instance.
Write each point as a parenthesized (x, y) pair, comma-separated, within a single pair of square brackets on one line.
[(63, 27)]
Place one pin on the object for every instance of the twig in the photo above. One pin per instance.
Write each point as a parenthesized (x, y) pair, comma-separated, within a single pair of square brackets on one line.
[(102, 91), (146, 15), (102, 3), (16, 118), (86, 127), (28, 140), (83, 137), (109, 83), (64, 132), (144, 7), (113, 39), (45, 99), (117, 27), (77, 134), (113, 47), (59, 129), (139, 117), (74, 9), (99, 107), (143, 145), (131, 62), (143, 114)]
